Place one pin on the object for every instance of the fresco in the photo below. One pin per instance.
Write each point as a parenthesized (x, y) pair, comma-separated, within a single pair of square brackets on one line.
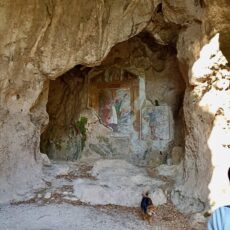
[(105, 101), (115, 108), (123, 108), (155, 123)]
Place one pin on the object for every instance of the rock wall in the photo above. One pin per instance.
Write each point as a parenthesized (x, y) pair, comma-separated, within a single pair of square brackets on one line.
[(61, 139), (201, 48), (41, 40), (143, 71)]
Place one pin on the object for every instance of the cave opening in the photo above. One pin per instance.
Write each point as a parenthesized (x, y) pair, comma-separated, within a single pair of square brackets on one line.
[(128, 107)]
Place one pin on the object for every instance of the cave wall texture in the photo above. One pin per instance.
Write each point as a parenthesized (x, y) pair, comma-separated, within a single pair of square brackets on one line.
[(60, 140), (41, 40), (154, 75)]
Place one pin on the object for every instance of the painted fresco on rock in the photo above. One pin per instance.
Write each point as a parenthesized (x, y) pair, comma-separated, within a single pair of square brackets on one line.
[(123, 109), (115, 108), (155, 123), (105, 102)]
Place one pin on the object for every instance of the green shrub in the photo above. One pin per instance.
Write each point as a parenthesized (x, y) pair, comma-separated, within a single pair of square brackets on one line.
[(81, 127)]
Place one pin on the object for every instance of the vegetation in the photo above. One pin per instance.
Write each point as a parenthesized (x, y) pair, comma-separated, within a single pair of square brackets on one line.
[(81, 128)]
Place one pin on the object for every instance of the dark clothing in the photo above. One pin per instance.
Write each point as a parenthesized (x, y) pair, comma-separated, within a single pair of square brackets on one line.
[(146, 201)]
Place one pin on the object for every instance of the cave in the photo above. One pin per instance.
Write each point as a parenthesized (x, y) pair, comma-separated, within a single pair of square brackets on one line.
[(132, 104), (143, 82)]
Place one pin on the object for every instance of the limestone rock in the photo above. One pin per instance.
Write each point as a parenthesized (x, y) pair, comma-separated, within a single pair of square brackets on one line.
[(202, 105), (155, 158), (119, 183), (15, 130), (198, 221), (46, 40), (39, 195), (48, 195), (158, 197), (45, 160), (219, 22), (186, 204), (177, 154), (61, 139), (167, 170), (136, 57), (61, 169), (182, 11)]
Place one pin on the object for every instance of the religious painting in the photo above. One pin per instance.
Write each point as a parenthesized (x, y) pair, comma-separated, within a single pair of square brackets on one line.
[(115, 108), (105, 103), (123, 108), (155, 123)]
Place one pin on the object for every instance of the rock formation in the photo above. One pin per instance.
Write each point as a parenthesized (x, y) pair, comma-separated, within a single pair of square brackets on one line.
[(40, 41), (145, 69)]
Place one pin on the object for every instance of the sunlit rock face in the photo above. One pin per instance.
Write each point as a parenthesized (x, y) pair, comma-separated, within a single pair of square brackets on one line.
[(47, 39), (201, 54)]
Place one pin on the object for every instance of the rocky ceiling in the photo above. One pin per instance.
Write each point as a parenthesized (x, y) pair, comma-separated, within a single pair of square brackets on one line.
[(41, 40)]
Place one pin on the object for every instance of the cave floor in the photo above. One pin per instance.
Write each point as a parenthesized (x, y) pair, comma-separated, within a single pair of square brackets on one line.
[(93, 195)]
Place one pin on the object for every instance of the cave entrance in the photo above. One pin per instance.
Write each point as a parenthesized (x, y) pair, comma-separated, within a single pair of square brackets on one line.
[(129, 107)]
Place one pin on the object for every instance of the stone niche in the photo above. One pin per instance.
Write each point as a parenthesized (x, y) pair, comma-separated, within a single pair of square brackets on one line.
[(60, 140), (132, 103)]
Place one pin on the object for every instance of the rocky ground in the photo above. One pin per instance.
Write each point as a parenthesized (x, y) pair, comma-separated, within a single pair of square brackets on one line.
[(99, 195)]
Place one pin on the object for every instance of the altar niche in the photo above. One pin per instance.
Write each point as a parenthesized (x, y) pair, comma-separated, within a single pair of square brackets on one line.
[(113, 98)]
